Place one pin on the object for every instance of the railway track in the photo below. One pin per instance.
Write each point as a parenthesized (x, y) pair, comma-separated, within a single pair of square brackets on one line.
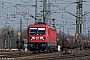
[(54, 56), (16, 55), (81, 55), (13, 54)]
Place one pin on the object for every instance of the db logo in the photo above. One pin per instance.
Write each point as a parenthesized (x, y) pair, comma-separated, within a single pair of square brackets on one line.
[(37, 38)]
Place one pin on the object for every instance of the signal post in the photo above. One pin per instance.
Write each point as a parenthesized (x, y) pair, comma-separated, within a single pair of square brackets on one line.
[(19, 34)]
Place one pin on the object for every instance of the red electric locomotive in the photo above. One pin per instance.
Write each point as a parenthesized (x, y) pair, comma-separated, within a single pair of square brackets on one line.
[(41, 38)]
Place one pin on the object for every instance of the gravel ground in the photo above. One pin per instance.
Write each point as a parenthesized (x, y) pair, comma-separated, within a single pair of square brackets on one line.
[(21, 55)]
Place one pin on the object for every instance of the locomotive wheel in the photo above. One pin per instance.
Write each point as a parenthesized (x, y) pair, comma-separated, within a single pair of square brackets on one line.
[(47, 50), (34, 52)]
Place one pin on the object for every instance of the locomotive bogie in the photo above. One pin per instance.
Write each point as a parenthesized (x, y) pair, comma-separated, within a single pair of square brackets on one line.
[(37, 46), (42, 47)]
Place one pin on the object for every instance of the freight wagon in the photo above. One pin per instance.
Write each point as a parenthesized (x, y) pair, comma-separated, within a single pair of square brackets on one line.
[(67, 43)]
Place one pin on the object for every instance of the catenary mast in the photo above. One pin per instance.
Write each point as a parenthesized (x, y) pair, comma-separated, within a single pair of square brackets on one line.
[(79, 23), (40, 11), (43, 13)]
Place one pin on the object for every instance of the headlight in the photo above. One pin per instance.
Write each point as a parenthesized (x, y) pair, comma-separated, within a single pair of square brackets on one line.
[(42, 38), (31, 38)]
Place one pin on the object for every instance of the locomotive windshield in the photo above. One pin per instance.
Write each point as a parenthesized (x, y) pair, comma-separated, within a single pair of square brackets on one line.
[(37, 31)]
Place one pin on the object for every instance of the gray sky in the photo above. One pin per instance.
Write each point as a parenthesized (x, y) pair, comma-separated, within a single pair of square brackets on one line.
[(7, 9)]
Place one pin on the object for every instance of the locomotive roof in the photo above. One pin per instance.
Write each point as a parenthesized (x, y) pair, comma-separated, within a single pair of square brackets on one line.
[(40, 25)]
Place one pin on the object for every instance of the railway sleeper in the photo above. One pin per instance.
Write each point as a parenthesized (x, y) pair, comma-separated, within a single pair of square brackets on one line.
[(67, 51)]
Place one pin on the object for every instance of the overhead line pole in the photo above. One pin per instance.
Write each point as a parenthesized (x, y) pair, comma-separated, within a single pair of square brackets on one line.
[(36, 12), (40, 15), (79, 23), (21, 28), (44, 11)]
